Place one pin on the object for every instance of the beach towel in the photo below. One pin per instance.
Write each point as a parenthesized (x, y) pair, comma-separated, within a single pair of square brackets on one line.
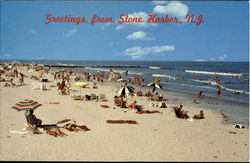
[(104, 106), (122, 121), (54, 102)]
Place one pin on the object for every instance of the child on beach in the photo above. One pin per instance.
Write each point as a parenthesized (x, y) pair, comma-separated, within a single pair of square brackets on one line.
[(218, 93), (199, 116)]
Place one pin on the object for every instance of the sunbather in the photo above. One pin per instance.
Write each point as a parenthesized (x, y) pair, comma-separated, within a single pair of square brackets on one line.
[(199, 116), (74, 127), (139, 93), (32, 120), (140, 111), (55, 132), (135, 106), (180, 113)]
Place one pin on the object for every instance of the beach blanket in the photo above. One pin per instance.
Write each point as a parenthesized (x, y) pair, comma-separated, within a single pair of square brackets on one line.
[(122, 121), (104, 106), (54, 102)]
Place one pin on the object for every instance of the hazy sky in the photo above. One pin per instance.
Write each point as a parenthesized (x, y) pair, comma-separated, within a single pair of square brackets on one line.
[(222, 37)]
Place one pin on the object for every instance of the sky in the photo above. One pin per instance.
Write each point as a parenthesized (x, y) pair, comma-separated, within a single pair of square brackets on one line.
[(223, 35)]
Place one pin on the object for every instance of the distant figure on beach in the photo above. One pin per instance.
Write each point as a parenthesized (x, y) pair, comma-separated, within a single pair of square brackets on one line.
[(199, 93), (135, 106), (126, 73), (32, 120), (139, 93), (218, 93), (199, 116), (195, 76), (180, 113)]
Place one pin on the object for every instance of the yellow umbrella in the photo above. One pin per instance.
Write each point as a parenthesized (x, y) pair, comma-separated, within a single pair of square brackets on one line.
[(41, 72), (80, 84)]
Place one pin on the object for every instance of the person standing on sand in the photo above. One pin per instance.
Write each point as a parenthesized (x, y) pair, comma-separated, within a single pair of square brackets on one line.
[(156, 82), (218, 93)]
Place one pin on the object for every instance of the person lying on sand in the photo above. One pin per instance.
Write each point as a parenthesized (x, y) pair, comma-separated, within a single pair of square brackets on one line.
[(55, 132), (180, 113), (199, 116), (6, 85), (140, 111), (74, 127)]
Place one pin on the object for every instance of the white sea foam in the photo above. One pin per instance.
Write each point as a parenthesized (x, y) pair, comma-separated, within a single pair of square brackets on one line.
[(205, 81), (64, 64), (212, 73), (96, 69), (188, 85), (152, 67), (133, 72), (233, 90), (165, 76)]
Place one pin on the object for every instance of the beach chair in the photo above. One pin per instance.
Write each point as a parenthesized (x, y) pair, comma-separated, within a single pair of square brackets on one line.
[(35, 86), (103, 97)]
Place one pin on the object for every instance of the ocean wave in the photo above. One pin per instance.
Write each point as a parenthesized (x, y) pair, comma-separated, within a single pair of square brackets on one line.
[(233, 90), (165, 76), (64, 64), (136, 73), (212, 73), (152, 67), (205, 81), (189, 85), (96, 69)]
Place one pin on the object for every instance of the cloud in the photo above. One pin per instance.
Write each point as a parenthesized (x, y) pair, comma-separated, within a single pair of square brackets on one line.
[(105, 25), (71, 32), (173, 8), (221, 58), (139, 52), (144, 24), (139, 35)]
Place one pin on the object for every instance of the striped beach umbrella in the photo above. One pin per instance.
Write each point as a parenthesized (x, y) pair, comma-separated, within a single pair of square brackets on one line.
[(26, 105), (126, 90)]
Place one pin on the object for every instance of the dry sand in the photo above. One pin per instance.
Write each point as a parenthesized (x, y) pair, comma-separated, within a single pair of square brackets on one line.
[(157, 137)]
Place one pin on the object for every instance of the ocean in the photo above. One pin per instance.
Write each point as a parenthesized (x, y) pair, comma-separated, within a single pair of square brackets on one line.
[(178, 76)]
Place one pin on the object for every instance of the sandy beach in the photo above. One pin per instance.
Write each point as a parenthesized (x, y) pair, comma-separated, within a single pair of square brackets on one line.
[(156, 137)]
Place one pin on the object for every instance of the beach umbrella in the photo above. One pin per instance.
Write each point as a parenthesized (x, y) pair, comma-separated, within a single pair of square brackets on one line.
[(80, 85), (26, 105), (154, 85), (126, 90)]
